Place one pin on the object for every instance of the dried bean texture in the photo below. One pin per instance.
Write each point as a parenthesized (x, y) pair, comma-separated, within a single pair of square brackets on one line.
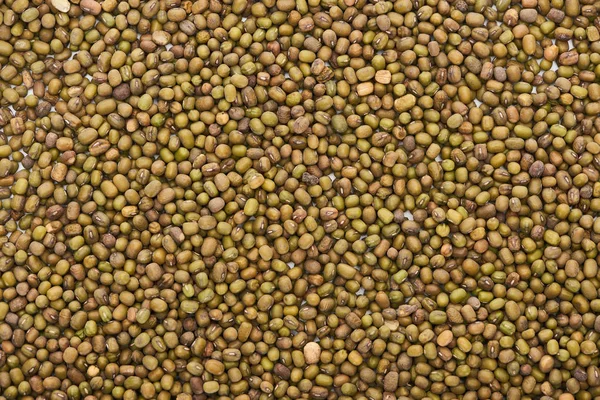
[(299, 199)]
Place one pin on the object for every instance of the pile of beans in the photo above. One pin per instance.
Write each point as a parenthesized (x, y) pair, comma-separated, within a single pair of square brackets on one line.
[(299, 199)]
